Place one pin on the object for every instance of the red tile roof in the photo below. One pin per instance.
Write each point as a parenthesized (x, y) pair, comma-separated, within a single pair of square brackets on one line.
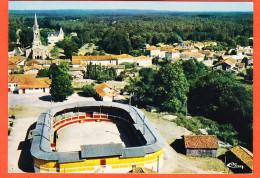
[(26, 81), (201, 141), (100, 90), (16, 59)]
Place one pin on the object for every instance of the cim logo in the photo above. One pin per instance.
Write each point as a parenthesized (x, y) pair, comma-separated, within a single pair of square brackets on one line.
[(234, 165)]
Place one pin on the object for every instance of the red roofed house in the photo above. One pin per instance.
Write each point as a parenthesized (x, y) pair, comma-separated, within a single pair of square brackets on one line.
[(106, 92), (201, 145), (25, 83)]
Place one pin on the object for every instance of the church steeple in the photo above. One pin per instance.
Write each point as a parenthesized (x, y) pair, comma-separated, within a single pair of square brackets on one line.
[(35, 26), (36, 32)]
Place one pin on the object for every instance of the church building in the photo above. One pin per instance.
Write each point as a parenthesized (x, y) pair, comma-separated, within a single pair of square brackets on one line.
[(38, 51)]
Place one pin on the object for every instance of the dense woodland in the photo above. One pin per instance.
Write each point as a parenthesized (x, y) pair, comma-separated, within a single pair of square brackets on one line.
[(127, 31)]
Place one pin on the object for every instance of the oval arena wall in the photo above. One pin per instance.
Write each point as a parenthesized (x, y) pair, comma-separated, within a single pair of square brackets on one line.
[(108, 158)]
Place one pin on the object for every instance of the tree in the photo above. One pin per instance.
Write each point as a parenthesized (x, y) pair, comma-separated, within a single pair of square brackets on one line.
[(43, 73), (249, 74), (55, 52), (61, 87), (89, 89), (245, 60), (69, 48), (220, 97), (171, 88)]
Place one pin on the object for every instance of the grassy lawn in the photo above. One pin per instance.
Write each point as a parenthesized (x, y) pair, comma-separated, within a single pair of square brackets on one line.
[(24, 111), (207, 163)]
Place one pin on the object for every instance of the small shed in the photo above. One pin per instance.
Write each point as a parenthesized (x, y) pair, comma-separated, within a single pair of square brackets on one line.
[(201, 145)]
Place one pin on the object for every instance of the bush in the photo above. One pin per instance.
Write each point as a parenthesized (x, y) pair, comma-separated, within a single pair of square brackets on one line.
[(225, 132), (89, 89)]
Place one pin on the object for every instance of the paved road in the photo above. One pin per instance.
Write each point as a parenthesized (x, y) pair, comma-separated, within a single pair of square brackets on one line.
[(42, 100)]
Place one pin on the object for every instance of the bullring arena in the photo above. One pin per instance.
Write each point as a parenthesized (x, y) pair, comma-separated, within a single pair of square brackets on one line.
[(95, 137)]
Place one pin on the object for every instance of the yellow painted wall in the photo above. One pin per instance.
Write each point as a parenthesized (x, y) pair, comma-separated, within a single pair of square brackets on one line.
[(89, 164)]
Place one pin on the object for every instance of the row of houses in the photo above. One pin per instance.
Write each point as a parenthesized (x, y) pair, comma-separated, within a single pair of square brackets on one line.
[(111, 60)]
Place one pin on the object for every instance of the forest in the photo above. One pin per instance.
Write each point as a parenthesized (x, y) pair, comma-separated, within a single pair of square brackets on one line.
[(126, 31)]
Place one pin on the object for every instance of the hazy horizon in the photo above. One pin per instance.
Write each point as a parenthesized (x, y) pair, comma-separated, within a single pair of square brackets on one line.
[(134, 5)]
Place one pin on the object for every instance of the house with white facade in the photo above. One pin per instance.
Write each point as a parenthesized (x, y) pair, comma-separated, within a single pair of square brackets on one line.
[(143, 61), (153, 51), (98, 60), (172, 54), (124, 58), (106, 92), (188, 55), (54, 37), (24, 83), (226, 64)]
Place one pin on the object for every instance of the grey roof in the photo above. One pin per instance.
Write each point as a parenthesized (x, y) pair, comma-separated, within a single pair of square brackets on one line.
[(101, 150), (41, 139), (66, 157)]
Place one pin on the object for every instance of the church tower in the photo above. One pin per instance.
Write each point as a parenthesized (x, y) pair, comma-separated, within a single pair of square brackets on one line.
[(36, 33)]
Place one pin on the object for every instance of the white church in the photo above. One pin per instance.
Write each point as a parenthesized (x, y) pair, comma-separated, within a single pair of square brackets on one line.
[(38, 51)]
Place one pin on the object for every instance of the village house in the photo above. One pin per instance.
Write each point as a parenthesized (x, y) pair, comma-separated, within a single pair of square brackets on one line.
[(188, 55), (24, 83), (106, 92), (226, 64), (53, 37), (19, 61), (98, 60), (118, 68), (186, 45), (32, 69), (199, 45), (12, 67), (172, 54), (201, 145), (77, 72), (153, 51), (143, 61), (239, 160), (124, 58)]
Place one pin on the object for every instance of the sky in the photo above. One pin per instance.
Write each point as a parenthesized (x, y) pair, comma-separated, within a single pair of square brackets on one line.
[(143, 5)]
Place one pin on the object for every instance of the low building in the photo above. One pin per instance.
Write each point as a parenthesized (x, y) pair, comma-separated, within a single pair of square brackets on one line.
[(106, 92), (153, 51), (25, 83), (118, 68), (143, 61), (188, 55), (19, 61), (172, 54), (226, 64), (239, 160), (124, 58), (201, 145), (33, 69), (77, 72), (98, 60)]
